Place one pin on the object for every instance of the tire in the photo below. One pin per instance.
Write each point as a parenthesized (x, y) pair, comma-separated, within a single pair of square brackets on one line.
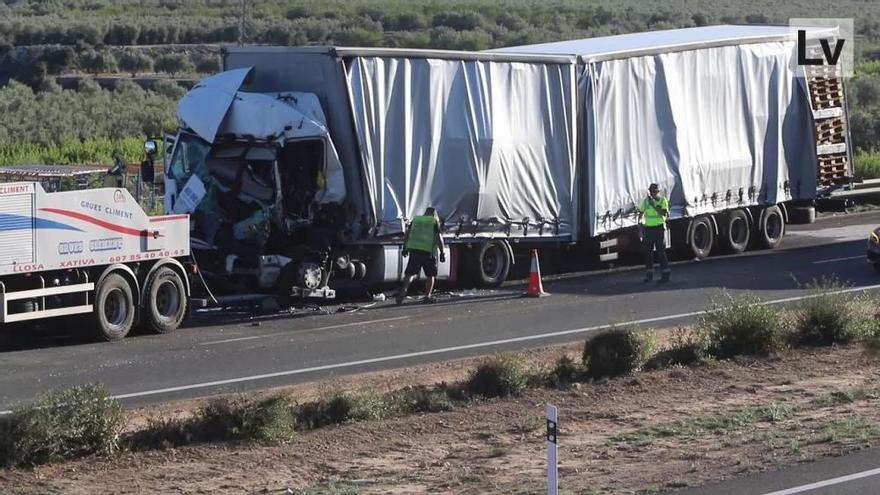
[(737, 231), (164, 301), (801, 214), (113, 315), (877, 267), (771, 228), (700, 237), (490, 264)]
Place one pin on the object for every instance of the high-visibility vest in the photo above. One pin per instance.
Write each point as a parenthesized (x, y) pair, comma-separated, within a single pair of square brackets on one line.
[(652, 216), (422, 234)]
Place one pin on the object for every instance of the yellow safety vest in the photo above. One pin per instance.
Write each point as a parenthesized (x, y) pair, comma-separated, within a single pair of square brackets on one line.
[(422, 234), (652, 216)]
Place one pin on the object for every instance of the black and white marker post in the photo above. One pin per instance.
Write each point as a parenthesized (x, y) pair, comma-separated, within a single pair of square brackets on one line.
[(550, 412)]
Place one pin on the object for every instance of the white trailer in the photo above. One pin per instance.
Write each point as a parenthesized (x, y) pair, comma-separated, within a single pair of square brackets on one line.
[(545, 145), (94, 255)]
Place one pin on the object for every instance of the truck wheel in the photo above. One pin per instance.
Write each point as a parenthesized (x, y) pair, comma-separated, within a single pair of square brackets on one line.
[(737, 231), (771, 227), (801, 214), (700, 237), (491, 264), (164, 301), (113, 315)]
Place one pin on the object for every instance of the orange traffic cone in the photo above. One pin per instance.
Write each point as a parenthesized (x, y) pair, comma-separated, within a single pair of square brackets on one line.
[(536, 288)]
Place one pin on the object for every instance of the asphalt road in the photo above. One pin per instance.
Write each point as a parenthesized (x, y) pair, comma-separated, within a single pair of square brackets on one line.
[(235, 355), (854, 474)]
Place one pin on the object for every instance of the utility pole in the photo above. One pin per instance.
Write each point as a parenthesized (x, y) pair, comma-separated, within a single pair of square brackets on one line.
[(243, 6)]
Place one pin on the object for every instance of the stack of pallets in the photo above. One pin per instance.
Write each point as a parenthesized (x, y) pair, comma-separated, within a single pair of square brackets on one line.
[(827, 99)]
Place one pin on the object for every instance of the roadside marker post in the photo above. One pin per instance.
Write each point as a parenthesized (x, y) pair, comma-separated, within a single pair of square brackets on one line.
[(550, 412)]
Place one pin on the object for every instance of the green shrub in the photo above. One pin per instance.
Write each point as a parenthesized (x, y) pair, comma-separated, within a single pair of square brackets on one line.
[(270, 420), (688, 346), (737, 325), (334, 408), (421, 399), (565, 372), (867, 164), (617, 351), (219, 419), (501, 376), (61, 424), (161, 433), (831, 317), (338, 407), (369, 406)]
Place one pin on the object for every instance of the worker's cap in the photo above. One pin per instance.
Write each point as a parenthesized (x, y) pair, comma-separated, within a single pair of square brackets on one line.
[(654, 187)]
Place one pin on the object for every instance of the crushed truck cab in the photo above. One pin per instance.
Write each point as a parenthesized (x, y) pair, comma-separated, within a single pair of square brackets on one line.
[(92, 253)]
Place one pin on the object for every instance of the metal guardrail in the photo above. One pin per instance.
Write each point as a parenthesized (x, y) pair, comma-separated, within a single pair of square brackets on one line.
[(866, 187)]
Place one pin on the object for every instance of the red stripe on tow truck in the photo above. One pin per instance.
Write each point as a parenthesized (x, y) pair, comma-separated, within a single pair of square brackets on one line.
[(97, 221), (168, 218)]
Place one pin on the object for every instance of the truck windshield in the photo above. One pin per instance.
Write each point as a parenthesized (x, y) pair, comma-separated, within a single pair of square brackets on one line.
[(189, 154)]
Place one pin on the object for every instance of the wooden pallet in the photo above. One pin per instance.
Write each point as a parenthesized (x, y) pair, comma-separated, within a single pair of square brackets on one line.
[(832, 168), (830, 131), (826, 92)]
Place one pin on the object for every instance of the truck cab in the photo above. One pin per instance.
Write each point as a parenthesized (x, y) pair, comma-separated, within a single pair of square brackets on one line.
[(263, 183)]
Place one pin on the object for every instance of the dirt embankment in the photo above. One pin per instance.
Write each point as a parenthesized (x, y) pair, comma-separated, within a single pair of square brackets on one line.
[(654, 430)]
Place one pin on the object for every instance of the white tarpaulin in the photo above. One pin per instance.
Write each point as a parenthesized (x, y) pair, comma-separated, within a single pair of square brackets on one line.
[(716, 127), (716, 115), (488, 142)]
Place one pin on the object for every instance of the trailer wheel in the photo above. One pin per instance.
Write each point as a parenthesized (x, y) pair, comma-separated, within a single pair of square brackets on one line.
[(113, 315), (737, 231), (700, 237), (164, 301), (491, 264), (771, 227)]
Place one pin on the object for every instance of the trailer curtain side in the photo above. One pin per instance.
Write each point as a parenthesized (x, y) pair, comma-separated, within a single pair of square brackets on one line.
[(490, 144), (717, 128)]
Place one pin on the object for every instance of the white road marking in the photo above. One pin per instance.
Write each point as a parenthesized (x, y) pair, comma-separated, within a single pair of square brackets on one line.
[(252, 337), (442, 350), (834, 260), (828, 482)]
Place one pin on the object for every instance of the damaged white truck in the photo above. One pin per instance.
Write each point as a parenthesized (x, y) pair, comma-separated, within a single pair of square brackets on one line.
[(301, 166)]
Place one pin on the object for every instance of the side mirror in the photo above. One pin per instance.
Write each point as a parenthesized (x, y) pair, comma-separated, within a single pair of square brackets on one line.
[(150, 147)]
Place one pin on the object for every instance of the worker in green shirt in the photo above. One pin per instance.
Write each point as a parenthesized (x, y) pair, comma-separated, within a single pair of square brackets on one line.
[(653, 211), (422, 236)]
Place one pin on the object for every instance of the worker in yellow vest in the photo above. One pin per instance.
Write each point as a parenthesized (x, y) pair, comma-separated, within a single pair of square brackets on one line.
[(422, 237), (653, 212)]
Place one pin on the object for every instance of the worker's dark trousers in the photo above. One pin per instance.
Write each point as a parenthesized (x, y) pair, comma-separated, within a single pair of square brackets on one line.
[(654, 239)]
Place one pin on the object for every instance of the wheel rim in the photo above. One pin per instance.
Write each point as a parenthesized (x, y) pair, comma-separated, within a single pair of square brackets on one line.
[(702, 236), (739, 231), (492, 262), (115, 308), (774, 227), (167, 299)]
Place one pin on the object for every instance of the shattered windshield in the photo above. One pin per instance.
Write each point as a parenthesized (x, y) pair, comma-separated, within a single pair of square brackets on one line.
[(189, 154), (241, 192)]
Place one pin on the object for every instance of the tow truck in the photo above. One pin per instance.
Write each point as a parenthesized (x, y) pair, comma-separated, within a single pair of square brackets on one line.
[(92, 257)]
